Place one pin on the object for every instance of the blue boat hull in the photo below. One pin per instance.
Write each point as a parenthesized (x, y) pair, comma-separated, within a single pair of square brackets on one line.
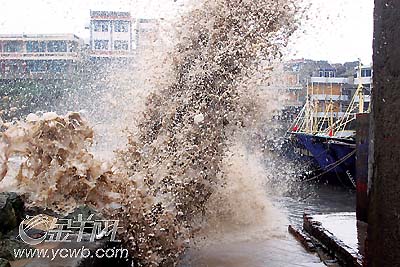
[(332, 155)]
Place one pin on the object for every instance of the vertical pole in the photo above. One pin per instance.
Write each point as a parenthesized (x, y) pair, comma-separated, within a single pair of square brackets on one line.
[(383, 244)]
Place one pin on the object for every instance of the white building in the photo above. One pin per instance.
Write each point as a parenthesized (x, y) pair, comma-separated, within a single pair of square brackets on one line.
[(148, 33), (112, 35), (39, 56), (364, 76)]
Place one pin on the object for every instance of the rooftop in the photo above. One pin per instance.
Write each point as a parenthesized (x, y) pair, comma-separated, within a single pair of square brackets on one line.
[(27, 37), (110, 15), (333, 80)]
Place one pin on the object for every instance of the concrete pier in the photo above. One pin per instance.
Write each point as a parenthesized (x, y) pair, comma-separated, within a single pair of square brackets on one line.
[(383, 247), (335, 237), (362, 141)]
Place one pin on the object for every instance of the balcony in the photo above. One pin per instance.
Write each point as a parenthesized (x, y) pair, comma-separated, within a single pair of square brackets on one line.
[(41, 56), (327, 97), (363, 80), (331, 80)]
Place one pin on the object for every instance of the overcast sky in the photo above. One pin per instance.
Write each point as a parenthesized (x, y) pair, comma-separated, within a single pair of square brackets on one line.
[(337, 31)]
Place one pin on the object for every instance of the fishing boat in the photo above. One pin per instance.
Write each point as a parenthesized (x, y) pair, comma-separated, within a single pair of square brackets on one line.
[(327, 134)]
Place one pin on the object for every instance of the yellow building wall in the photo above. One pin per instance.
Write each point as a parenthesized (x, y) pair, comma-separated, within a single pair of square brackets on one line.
[(322, 105), (325, 89)]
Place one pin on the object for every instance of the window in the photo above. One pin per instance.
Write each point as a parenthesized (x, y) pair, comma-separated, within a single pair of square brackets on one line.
[(57, 46), (101, 44), (12, 47), (101, 25), (35, 46), (366, 73), (58, 66), (73, 47), (327, 73), (121, 45), (36, 66), (121, 26)]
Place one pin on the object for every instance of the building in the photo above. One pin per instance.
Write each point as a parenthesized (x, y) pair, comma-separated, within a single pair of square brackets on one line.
[(307, 68), (112, 35), (148, 33), (331, 98), (363, 76), (295, 94), (328, 95), (49, 56), (294, 89), (327, 72)]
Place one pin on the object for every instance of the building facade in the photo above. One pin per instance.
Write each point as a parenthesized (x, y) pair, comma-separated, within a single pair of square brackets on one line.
[(363, 76), (294, 89), (328, 95), (112, 35), (148, 34), (39, 56)]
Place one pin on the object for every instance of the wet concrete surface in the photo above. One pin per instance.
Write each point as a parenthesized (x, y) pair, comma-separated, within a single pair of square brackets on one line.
[(341, 234), (345, 227)]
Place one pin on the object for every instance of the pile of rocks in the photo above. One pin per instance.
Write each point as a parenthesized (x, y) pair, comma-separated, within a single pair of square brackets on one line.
[(11, 215), (13, 212)]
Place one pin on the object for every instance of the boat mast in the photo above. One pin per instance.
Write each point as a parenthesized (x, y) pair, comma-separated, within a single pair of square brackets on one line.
[(360, 90)]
